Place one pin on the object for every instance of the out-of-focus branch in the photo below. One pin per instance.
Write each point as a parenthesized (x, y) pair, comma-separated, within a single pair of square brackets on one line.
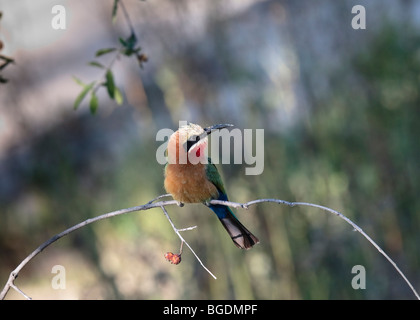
[(4, 60)]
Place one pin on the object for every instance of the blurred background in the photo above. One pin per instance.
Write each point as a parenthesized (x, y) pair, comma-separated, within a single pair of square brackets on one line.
[(340, 110)]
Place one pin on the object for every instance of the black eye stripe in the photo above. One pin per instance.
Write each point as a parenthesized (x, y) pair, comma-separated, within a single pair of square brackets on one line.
[(193, 140), (190, 144)]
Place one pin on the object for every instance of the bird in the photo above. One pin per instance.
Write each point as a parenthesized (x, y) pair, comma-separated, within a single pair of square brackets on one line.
[(191, 177)]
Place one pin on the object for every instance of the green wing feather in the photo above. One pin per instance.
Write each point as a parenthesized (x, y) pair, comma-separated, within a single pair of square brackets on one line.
[(214, 176), (240, 235)]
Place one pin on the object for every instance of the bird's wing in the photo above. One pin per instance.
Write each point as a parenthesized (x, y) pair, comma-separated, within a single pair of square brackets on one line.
[(214, 177)]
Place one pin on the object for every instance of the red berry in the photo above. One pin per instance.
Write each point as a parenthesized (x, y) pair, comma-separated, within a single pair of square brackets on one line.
[(173, 258)]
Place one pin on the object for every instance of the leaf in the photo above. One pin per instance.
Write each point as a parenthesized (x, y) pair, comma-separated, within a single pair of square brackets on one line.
[(131, 41), (110, 85), (101, 52), (122, 41), (114, 11), (96, 64), (93, 104), (82, 94), (118, 96), (78, 81), (129, 45)]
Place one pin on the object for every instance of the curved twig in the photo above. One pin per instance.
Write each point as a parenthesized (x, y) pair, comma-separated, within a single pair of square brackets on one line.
[(14, 273), (152, 204), (338, 214)]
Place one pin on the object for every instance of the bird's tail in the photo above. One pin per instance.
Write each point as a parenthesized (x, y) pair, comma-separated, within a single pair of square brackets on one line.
[(240, 235)]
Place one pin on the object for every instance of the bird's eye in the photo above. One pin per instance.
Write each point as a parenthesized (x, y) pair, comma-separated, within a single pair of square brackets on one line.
[(197, 138)]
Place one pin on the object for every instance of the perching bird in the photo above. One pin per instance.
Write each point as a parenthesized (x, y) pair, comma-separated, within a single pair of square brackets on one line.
[(191, 179)]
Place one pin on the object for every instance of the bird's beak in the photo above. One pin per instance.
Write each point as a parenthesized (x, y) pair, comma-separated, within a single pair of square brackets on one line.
[(210, 129)]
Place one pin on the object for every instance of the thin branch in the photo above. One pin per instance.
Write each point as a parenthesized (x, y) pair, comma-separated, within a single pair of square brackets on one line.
[(162, 204), (20, 291), (127, 17), (339, 214), (14, 273), (168, 195), (183, 240), (187, 229)]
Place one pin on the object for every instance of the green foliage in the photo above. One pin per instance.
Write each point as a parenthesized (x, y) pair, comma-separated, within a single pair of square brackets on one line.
[(101, 52), (118, 97), (128, 47), (96, 64), (93, 102), (114, 11), (83, 93), (109, 84)]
